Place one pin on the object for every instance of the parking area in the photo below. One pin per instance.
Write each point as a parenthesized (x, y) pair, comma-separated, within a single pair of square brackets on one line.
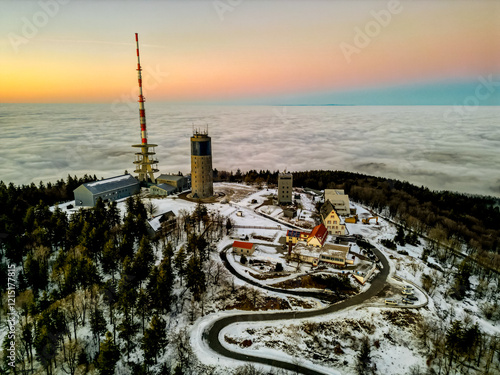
[(408, 296)]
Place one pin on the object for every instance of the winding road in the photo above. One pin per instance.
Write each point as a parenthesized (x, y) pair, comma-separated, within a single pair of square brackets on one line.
[(323, 296), (212, 333)]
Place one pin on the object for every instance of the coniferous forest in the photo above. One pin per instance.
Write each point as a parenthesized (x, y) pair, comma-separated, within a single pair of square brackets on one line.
[(97, 287)]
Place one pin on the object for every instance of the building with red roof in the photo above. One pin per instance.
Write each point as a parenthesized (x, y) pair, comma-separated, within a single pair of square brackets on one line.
[(318, 236), (243, 248)]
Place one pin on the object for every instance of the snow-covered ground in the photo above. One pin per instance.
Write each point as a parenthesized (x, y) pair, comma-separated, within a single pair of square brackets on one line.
[(392, 330), (330, 342), (333, 341)]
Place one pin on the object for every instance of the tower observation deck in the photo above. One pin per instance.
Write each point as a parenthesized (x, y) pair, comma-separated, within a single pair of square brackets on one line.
[(145, 160), (202, 185)]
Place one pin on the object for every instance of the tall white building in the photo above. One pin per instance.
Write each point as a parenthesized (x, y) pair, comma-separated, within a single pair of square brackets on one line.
[(339, 200)]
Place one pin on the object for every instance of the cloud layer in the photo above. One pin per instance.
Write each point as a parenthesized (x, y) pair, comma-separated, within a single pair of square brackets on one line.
[(423, 145)]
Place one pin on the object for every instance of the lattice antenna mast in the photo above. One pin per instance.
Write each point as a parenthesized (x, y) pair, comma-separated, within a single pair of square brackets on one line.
[(145, 160), (142, 111)]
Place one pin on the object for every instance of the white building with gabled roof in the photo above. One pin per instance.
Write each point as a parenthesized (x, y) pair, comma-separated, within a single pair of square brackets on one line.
[(339, 200), (331, 219)]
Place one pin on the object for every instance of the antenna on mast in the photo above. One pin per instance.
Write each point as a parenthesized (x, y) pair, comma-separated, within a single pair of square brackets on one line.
[(145, 160), (142, 111)]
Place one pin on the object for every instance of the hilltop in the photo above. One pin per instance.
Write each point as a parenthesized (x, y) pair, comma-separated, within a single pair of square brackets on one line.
[(81, 273)]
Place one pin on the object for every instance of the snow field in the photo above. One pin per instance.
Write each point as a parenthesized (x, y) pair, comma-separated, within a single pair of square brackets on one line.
[(398, 347), (396, 351)]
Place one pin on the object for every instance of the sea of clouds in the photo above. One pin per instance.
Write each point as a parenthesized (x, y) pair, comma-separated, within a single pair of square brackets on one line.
[(441, 147)]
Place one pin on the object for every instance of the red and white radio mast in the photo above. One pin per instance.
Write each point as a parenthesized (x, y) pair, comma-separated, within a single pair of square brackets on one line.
[(145, 160)]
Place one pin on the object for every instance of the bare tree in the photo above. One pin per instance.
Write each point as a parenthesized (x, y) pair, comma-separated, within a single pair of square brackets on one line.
[(151, 208), (69, 361)]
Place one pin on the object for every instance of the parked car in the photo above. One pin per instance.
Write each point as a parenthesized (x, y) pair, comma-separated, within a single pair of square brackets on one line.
[(407, 292), (407, 301), (391, 301), (409, 287), (412, 297)]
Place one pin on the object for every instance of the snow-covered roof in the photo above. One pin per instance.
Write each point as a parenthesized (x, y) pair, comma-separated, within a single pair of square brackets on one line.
[(111, 183), (303, 249), (165, 187), (335, 250), (155, 223), (328, 250), (335, 191)]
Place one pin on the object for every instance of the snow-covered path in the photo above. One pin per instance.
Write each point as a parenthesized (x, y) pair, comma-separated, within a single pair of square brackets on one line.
[(210, 337)]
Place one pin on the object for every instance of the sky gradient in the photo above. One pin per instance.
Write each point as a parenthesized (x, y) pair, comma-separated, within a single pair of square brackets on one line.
[(256, 52)]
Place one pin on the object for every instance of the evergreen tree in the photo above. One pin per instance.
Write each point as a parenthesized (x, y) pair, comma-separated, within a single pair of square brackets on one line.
[(168, 251), (110, 297), (113, 214), (36, 273), (89, 241), (165, 284), (143, 260), (195, 277), (97, 324), (108, 356), (27, 339), (200, 214), (154, 339), (88, 273), (139, 208), (400, 237), (454, 340), (46, 345), (152, 288), (143, 306), (412, 239), (126, 246), (243, 259), (127, 289), (110, 258), (471, 338), (141, 227), (58, 225), (197, 244), (462, 283), (363, 363), (126, 331), (180, 262)]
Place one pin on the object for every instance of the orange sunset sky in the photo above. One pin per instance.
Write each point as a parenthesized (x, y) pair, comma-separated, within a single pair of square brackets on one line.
[(220, 51)]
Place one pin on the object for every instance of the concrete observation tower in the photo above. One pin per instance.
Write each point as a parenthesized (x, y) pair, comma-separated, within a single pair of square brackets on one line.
[(145, 160), (202, 185)]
